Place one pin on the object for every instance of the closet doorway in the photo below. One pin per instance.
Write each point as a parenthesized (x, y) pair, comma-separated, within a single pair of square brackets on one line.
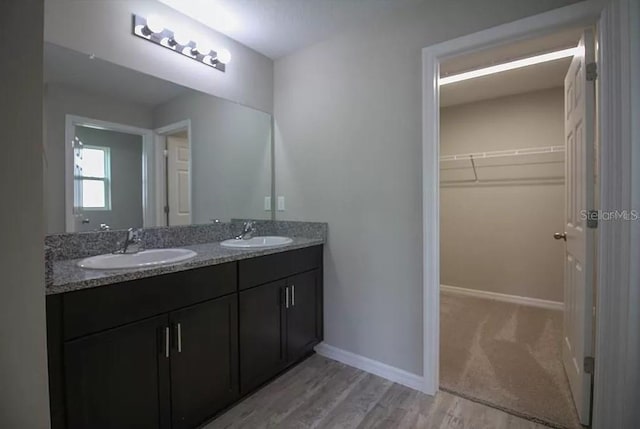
[(507, 324)]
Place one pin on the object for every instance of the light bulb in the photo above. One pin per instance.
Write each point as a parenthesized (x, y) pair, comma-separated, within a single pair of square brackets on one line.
[(223, 56), (155, 24), (181, 39), (203, 48)]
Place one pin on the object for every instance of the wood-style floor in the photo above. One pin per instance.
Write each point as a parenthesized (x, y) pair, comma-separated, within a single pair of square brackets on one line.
[(322, 393)]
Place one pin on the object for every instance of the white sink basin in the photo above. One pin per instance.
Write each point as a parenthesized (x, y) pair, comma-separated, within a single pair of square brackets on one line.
[(146, 258), (257, 242)]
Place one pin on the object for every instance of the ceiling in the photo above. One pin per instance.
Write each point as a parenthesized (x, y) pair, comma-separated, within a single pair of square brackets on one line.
[(527, 79), (277, 28), (97, 76)]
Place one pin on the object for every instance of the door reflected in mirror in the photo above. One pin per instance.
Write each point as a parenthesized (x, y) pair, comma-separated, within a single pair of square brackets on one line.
[(178, 173), (124, 149)]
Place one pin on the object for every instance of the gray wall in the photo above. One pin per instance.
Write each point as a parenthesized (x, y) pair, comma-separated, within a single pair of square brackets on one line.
[(24, 398), (348, 151), (497, 236), (230, 153), (104, 29), (126, 178), (60, 101)]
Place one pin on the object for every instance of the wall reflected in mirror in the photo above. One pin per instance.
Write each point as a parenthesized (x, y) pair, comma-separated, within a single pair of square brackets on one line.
[(124, 149), (107, 181)]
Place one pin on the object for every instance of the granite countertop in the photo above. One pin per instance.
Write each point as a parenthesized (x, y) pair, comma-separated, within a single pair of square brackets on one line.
[(67, 276)]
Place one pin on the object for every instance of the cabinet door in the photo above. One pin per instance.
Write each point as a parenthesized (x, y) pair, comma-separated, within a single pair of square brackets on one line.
[(262, 334), (204, 360), (302, 315), (119, 378)]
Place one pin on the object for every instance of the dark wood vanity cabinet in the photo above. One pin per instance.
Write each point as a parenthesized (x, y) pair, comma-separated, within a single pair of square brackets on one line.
[(99, 379), (303, 318), (279, 324), (174, 350), (280, 321), (204, 360), (262, 334), (171, 371)]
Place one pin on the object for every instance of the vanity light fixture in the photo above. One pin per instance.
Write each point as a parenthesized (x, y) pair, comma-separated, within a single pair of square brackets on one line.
[(153, 29), (224, 56), (524, 62), (154, 25), (179, 39), (202, 48)]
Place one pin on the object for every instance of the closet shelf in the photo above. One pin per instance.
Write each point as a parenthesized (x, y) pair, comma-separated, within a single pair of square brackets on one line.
[(503, 153), (504, 166)]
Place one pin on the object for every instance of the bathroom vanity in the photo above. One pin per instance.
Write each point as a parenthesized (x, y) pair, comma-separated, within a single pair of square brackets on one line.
[(173, 349), (175, 173)]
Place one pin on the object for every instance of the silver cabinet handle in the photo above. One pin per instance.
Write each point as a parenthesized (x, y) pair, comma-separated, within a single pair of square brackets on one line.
[(166, 341), (179, 338), (286, 294), (293, 295)]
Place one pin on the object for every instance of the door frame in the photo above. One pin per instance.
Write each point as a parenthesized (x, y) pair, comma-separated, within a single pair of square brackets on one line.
[(160, 145), (617, 374), (72, 121), (610, 373)]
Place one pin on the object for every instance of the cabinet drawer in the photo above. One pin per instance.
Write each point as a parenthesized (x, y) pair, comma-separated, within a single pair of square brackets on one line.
[(100, 308), (265, 269)]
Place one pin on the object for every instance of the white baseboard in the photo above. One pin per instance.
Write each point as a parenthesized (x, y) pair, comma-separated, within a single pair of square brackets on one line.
[(371, 366), (515, 299)]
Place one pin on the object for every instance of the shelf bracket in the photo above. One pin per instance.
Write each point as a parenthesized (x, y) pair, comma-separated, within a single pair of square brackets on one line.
[(473, 164)]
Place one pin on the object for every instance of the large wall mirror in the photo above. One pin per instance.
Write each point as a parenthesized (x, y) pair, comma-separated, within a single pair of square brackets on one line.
[(124, 149)]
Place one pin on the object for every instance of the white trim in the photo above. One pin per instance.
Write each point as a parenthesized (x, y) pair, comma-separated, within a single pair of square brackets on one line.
[(160, 144), (431, 222), (583, 13), (160, 165), (71, 121), (371, 366), (512, 65), (514, 299), (617, 347), (177, 126)]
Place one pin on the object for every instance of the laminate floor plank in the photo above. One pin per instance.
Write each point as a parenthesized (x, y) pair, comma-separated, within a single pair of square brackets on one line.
[(397, 408), (355, 407), (262, 404), (322, 393), (325, 399)]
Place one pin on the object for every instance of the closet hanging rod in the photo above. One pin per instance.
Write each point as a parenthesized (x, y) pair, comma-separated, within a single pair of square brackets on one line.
[(502, 153)]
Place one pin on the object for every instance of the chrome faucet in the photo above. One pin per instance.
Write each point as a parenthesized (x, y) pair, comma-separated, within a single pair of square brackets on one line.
[(248, 230), (132, 243)]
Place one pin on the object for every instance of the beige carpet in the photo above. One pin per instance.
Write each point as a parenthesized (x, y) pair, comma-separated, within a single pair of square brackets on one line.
[(505, 355)]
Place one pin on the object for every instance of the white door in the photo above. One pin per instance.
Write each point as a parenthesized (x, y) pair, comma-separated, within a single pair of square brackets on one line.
[(579, 255), (178, 182)]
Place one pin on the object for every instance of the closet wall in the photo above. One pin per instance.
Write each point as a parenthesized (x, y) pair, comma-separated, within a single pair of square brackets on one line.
[(497, 232)]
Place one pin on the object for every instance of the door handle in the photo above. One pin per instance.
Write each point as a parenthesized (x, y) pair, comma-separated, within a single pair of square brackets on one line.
[(293, 295), (179, 329), (560, 236), (286, 297)]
